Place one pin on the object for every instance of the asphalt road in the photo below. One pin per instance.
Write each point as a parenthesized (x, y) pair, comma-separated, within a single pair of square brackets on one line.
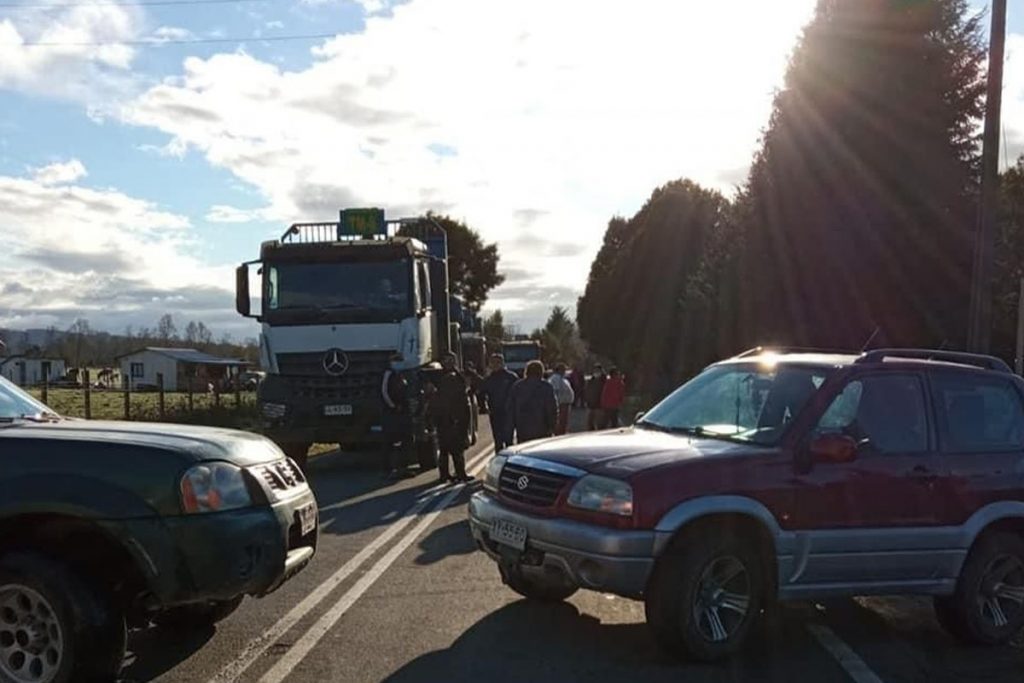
[(397, 592)]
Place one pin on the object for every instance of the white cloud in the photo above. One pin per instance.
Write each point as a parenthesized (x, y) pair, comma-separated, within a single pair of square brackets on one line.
[(1013, 98), (171, 33), (59, 172), (575, 110), (221, 213), (274, 24)]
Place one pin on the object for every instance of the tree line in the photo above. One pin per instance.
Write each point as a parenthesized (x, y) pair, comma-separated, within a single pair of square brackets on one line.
[(856, 220)]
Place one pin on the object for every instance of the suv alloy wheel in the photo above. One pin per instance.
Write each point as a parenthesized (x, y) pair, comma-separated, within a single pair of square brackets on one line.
[(988, 605)]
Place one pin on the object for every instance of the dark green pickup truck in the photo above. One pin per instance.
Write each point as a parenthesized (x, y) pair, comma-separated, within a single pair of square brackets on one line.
[(109, 524)]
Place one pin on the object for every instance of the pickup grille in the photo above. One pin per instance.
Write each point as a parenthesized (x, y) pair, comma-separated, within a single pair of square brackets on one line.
[(281, 475), (541, 488)]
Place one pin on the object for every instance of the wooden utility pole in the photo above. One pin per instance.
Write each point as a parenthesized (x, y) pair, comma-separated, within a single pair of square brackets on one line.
[(980, 330)]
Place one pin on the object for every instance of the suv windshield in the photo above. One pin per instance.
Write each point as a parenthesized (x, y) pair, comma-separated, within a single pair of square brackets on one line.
[(15, 403), (355, 291), (745, 402)]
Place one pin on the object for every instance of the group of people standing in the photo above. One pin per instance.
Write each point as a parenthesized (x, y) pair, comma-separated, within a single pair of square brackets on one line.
[(520, 409)]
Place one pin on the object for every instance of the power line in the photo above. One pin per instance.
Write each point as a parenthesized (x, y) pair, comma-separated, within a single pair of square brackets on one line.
[(117, 3), (156, 42)]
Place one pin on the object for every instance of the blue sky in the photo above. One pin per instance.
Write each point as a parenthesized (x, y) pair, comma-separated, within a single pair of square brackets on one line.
[(132, 179)]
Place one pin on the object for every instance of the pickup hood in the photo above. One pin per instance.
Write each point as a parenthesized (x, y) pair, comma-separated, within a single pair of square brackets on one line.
[(190, 441), (624, 452)]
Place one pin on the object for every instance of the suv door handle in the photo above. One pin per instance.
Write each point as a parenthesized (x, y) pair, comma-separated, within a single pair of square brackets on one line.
[(923, 475)]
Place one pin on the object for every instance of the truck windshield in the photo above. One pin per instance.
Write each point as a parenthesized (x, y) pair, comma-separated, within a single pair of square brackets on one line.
[(520, 354), (365, 291), (741, 402)]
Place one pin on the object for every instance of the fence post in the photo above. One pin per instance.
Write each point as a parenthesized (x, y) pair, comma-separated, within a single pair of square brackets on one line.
[(87, 382), (160, 388), (191, 382), (238, 389), (46, 388), (216, 396), (127, 381)]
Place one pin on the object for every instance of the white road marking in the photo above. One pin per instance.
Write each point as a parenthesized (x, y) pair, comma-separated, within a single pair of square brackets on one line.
[(302, 647), (255, 648), (854, 666)]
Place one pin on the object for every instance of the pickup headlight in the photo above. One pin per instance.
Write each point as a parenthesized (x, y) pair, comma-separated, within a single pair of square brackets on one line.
[(214, 487), (602, 494), (273, 411), (491, 476)]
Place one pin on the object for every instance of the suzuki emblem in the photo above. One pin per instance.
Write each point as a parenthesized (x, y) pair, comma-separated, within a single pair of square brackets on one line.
[(335, 362), (522, 482)]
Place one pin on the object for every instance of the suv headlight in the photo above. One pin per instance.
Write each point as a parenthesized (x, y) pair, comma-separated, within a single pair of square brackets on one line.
[(602, 494), (273, 411), (493, 473), (214, 487)]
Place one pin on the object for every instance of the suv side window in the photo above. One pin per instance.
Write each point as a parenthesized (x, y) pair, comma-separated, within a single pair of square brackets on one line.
[(886, 413), (978, 414)]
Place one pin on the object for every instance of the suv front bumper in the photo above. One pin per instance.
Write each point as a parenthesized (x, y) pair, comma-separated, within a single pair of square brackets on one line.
[(589, 556)]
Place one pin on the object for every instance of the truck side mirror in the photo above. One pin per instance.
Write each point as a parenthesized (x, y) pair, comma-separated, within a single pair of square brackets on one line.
[(242, 290)]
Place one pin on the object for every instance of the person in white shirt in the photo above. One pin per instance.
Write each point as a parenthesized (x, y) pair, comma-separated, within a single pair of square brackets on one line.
[(565, 397)]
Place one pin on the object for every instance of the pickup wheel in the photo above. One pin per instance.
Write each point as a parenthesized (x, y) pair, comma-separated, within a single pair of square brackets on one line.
[(705, 595), (988, 605), (55, 628), (193, 617), (299, 452), (426, 454), (535, 589)]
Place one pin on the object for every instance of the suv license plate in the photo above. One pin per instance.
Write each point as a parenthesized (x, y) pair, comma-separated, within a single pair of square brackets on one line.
[(344, 409), (307, 518), (508, 533)]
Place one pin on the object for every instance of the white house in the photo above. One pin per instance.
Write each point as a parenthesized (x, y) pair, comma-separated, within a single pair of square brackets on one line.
[(178, 367), (28, 371)]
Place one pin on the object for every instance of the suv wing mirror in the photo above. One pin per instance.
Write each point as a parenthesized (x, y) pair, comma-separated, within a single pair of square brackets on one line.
[(833, 448)]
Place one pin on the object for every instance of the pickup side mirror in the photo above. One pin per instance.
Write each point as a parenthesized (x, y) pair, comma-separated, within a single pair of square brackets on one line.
[(639, 416), (833, 448), (242, 290)]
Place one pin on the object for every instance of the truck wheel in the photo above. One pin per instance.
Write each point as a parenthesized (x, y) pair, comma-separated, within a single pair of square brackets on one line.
[(194, 617), (427, 455), (704, 596), (299, 452), (988, 605), (54, 627), (534, 589)]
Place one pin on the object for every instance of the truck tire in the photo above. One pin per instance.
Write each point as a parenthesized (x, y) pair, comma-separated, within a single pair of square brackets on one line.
[(535, 589), (705, 594), (987, 607), (299, 452), (194, 617), (54, 626), (427, 455)]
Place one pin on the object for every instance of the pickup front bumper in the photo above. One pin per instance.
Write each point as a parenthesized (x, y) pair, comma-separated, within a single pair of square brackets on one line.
[(586, 555)]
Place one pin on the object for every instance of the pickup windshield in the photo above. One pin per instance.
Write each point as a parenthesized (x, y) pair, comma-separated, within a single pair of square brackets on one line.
[(16, 404), (362, 291), (740, 402)]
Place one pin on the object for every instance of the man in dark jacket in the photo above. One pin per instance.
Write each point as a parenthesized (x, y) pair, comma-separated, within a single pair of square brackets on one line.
[(494, 393), (451, 411), (397, 419), (593, 391), (532, 407)]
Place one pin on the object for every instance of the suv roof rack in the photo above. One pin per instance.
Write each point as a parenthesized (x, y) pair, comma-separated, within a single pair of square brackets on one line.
[(977, 360), (757, 350)]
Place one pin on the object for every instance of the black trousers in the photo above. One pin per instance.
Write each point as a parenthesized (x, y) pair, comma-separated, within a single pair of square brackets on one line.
[(451, 440), (499, 430)]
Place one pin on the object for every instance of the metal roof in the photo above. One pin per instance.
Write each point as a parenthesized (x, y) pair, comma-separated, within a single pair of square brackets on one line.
[(188, 356), (25, 356)]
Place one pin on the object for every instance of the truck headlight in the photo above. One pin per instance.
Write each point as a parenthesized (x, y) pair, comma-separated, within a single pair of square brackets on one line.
[(274, 411), (602, 494), (214, 487), (491, 476)]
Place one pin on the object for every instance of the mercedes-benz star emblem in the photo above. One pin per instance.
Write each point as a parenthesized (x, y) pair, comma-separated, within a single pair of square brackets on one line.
[(335, 362), (522, 482)]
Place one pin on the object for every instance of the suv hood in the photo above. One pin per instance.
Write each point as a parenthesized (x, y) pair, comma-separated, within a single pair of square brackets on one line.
[(200, 443), (624, 452)]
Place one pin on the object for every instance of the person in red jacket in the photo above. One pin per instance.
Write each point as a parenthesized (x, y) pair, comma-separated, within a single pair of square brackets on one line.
[(612, 396)]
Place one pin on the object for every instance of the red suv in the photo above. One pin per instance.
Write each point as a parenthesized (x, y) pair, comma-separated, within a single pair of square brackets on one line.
[(781, 475)]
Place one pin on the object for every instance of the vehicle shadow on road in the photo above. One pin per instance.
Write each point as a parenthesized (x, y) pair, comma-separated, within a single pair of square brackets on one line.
[(530, 641), (154, 651), (900, 639), (446, 541)]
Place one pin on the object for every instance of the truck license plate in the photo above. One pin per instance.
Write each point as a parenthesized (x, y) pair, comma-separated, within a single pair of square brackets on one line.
[(344, 409), (307, 518), (508, 533)]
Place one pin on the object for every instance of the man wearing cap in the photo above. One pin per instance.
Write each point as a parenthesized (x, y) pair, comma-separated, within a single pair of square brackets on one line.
[(451, 410)]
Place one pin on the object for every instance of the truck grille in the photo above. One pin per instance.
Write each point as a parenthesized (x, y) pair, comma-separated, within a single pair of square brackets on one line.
[(281, 475), (312, 364), (306, 378), (541, 488)]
